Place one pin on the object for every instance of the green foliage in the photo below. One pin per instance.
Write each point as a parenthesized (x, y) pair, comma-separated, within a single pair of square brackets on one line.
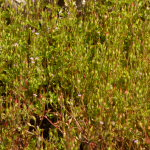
[(76, 82)]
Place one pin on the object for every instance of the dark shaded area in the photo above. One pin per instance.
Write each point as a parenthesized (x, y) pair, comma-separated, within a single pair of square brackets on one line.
[(61, 3), (45, 124)]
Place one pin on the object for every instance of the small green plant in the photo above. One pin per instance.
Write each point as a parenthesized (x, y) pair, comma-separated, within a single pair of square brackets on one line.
[(80, 83)]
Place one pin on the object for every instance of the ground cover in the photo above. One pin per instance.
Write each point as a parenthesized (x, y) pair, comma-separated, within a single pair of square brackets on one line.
[(80, 83)]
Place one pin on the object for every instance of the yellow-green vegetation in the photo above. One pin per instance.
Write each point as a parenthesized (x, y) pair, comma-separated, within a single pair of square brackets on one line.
[(76, 83)]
